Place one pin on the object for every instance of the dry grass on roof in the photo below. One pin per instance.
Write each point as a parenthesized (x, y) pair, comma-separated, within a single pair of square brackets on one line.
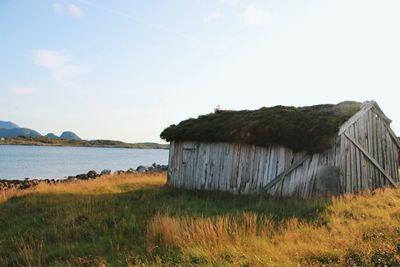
[(311, 128)]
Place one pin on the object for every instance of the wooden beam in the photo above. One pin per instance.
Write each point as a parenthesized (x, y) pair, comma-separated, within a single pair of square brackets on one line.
[(373, 160), (386, 123), (393, 135), (364, 108), (286, 172), (381, 114)]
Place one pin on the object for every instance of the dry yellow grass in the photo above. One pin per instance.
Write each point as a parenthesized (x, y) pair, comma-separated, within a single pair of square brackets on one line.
[(7, 194), (105, 184), (101, 185), (353, 230)]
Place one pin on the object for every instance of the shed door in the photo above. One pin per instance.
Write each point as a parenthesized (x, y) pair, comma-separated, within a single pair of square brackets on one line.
[(188, 165)]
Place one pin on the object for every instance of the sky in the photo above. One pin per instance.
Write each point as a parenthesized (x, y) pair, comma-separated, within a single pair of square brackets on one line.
[(127, 69)]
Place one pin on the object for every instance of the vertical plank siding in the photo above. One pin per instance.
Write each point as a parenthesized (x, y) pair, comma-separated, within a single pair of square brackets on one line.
[(246, 169), (359, 173)]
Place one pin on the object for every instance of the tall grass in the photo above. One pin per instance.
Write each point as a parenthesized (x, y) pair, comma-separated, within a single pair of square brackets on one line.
[(130, 220), (354, 230)]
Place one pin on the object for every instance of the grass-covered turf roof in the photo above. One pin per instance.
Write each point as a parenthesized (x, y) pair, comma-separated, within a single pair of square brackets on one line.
[(311, 128)]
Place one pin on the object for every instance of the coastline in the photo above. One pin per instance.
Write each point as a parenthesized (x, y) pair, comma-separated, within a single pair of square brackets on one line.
[(26, 183), (26, 141)]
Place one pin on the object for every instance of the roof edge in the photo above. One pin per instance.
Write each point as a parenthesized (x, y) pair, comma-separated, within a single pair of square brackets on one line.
[(366, 106)]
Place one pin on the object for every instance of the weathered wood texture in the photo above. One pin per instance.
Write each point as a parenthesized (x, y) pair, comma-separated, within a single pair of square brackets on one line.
[(372, 132), (364, 157), (245, 169)]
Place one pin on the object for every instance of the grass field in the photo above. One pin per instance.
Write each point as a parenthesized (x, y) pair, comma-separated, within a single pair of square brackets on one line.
[(135, 220)]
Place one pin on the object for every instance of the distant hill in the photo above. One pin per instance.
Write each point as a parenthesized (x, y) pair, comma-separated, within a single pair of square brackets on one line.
[(8, 125), (45, 141), (10, 129), (68, 135), (18, 132), (51, 136), (12, 134)]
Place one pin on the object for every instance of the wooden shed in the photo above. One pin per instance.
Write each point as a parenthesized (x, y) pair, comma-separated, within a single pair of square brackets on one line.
[(286, 151)]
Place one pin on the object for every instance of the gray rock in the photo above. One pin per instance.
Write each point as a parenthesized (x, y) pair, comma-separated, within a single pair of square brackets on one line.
[(92, 174), (130, 170), (163, 167), (327, 181), (82, 176), (142, 169), (106, 172)]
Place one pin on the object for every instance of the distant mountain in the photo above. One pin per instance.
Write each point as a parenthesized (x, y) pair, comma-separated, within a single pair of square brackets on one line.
[(52, 136), (10, 129), (8, 125), (68, 135), (18, 132)]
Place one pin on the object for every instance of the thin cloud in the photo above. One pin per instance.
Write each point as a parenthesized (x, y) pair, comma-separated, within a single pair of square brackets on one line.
[(69, 9), (230, 2), (59, 64), (22, 91), (141, 21), (254, 16), (212, 17)]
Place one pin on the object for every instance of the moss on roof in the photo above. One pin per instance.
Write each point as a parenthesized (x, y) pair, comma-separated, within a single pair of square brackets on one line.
[(311, 128)]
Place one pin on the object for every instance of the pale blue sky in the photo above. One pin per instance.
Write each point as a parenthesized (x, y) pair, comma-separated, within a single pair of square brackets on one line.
[(127, 69)]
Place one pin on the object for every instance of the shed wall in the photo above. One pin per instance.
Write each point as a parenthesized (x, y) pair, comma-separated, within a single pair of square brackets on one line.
[(373, 133), (244, 169)]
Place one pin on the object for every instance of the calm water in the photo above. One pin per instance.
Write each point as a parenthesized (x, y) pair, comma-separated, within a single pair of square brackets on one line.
[(18, 162)]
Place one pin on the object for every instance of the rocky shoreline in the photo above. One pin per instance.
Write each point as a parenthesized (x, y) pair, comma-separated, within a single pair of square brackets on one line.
[(91, 175)]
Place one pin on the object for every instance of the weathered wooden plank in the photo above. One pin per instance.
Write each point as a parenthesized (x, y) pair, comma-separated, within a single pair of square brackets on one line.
[(266, 165), (396, 160), (388, 156), (361, 140), (383, 149), (356, 161), (213, 156), (241, 168), (234, 167), (370, 151), (375, 153), (365, 107), (379, 149), (272, 171), (377, 165), (170, 172), (347, 165), (261, 167), (282, 175), (351, 162), (227, 171), (251, 167), (202, 167), (343, 163), (386, 122), (311, 175)]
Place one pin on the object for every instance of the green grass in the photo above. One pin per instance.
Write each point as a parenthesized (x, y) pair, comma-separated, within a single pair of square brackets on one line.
[(107, 222)]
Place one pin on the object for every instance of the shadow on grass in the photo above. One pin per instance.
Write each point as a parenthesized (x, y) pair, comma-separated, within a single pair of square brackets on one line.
[(176, 202), (114, 225), (201, 203)]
